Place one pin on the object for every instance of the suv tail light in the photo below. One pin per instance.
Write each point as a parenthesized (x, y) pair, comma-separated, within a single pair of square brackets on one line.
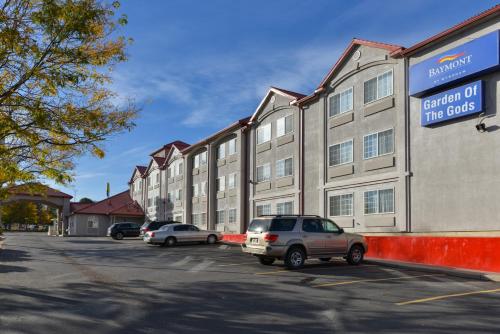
[(152, 234), (270, 237)]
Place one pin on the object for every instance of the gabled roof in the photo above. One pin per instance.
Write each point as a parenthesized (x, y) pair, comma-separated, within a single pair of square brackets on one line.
[(37, 189), (391, 48), (238, 124), (275, 90), (179, 146), (140, 169), (74, 206), (159, 161), (487, 14), (119, 204), (166, 147)]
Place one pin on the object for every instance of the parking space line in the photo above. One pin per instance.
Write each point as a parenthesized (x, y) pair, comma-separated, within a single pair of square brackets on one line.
[(307, 269), (373, 280), (424, 300), (235, 264)]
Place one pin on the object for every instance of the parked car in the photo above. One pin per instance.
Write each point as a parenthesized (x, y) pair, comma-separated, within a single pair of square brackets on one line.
[(171, 234), (295, 238), (119, 231), (155, 225)]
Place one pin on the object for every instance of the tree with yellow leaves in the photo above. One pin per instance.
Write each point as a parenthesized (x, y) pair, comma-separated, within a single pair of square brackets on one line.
[(56, 58)]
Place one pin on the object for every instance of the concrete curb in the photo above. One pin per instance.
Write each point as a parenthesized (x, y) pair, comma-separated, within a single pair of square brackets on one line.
[(457, 272)]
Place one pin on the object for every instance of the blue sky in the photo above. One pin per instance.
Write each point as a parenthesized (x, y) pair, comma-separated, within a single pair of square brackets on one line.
[(196, 66)]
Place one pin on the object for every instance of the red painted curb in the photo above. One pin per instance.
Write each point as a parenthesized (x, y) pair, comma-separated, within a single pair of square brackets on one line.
[(477, 253)]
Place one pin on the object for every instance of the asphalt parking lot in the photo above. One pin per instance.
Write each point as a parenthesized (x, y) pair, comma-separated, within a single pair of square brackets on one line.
[(98, 285)]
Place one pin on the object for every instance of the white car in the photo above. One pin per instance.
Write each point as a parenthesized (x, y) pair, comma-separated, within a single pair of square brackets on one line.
[(169, 235)]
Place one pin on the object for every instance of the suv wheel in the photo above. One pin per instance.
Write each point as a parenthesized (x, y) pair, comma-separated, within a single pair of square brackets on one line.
[(267, 261), (119, 236), (295, 258), (355, 255)]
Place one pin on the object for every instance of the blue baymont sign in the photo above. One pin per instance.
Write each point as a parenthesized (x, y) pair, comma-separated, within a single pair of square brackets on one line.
[(457, 102), (478, 55)]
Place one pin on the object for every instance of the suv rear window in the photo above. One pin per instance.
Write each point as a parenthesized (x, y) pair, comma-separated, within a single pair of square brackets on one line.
[(272, 225)]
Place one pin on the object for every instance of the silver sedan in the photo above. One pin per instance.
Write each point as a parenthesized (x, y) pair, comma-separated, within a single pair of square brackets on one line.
[(169, 235)]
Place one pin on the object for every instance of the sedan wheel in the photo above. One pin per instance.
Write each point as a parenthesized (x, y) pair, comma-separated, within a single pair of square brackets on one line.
[(170, 242), (212, 239), (355, 255)]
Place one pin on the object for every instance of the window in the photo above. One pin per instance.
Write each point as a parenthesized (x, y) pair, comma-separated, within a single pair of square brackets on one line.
[(203, 188), (157, 201), (181, 228), (221, 151), (313, 225), (196, 190), (220, 183), (282, 224), (284, 167), (341, 205), (196, 161), (178, 195), (91, 223), (264, 173), (231, 146), (157, 178), (263, 133), (285, 208), (284, 125), (379, 201), (330, 227), (198, 219), (203, 158), (231, 216), (341, 102), (378, 87), (220, 216), (148, 181), (378, 144), (181, 169), (150, 202), (339, 154), (170, 197), (231, 182), (170, 173), (263, 209)]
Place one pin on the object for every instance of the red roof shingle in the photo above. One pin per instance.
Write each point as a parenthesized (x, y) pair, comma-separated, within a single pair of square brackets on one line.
[(119, 204)]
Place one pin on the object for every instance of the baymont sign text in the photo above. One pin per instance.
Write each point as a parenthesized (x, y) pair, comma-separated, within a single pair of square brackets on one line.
[(471, 58)]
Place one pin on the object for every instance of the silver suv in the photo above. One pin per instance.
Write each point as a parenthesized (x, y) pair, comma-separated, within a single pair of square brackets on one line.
[(295, 238)]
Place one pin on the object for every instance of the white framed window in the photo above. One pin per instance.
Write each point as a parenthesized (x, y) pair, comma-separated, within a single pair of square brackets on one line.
[(231, 146), (284, 125), (231, 181), (157, 178), (220, 216), (263, 133), (203, 158), (231, 216), (203, 188), (150, 202), (178, 194), (220, 183), (341, 205), (378, 87), (221, 151), (170, 172), (196, 219), (339, 154), (377, 144), (284, 167), (196, 190), (264, 173), (196, 161), (379, 201), (263, 209), (341, 102), (284, 208), (92, 223), (170, 197)]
